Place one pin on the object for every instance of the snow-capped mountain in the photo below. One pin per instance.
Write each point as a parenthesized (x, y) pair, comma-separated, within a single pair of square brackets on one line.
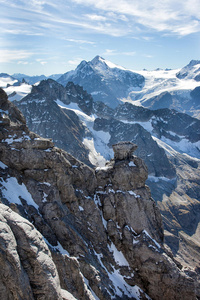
[(191, 71), (104, 80), (113, 84)]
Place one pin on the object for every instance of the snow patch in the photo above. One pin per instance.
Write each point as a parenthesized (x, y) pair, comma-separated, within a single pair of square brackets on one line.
[(2, 165), (95, 158), (134, 194), (120, 285), (156, 243), (12, 191), (58, 248), (131, 164), (146, 125), (157, 179), (46, 183), (118, 256)]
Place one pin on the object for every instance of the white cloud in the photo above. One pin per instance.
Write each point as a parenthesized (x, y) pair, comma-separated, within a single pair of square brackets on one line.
[(94, 17), (131, 53), (21, 62), (7, 56), (148, 55), (41, 61), (112, 52)]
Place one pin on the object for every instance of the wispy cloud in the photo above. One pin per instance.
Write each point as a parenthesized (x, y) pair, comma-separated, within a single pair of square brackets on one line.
[(95, 17), (113, 52), (148, 55), (109, 17), (21, 62), (80, 41), (7, 56), (178, 17), (21, 32)]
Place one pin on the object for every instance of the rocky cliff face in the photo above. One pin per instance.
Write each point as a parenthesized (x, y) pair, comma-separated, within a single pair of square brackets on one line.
[(69, 231)]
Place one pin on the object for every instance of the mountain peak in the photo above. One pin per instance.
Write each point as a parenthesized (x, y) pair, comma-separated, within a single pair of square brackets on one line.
[(97, 59)]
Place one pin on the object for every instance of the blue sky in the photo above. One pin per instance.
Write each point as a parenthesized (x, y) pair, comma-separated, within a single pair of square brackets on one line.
[(53, 36)]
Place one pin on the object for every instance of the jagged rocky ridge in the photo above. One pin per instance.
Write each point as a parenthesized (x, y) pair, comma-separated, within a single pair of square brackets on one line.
[(70, 229), (173, 177), (45, 117)]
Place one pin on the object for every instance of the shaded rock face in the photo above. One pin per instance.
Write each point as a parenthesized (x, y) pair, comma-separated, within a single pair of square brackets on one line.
[(164, 122), (50, 120), (75, 230), (164, 100), (78, 95), (195, 94)]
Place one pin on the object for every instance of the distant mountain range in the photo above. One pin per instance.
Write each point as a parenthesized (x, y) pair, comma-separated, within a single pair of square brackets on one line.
[(112, 84), (33, 79)]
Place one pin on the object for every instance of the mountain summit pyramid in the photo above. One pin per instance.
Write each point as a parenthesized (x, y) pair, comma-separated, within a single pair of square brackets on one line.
[(104, 80)]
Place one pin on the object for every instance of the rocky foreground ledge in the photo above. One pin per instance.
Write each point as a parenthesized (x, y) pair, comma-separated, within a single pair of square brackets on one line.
[(67, 231)]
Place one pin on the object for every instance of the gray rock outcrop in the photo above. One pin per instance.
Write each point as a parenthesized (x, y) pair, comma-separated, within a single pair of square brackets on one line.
[(123, 150)]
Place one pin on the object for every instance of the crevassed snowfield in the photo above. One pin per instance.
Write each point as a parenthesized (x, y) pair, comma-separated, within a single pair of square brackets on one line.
[(160, 81)]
